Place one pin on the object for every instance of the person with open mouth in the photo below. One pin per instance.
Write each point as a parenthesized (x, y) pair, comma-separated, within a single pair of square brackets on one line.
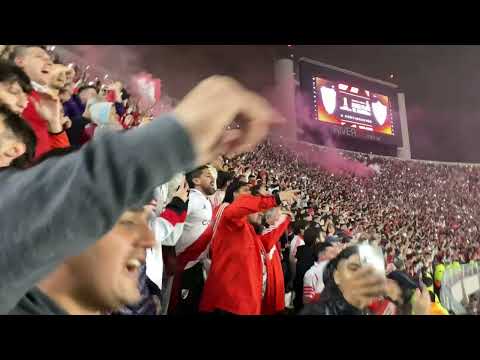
[(102, 279), (42, 111)]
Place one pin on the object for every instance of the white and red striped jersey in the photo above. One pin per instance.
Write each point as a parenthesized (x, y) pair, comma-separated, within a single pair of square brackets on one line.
[(199, 216), (313, 282), (167, 228)]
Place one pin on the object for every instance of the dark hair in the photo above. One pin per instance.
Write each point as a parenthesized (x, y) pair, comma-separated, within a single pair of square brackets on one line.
[(12, 73), (223, 178), (428, 281), (232, 189), (22, 131), (406, 284), (331, 287), (56, 58), (320, 248), (125, 94), (195, 174), (255, 190), (298, 226), (86, 87), (310, 236), (20, 50)]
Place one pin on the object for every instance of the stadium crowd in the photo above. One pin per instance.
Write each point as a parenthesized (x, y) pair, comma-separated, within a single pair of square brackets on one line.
[(183, 216)]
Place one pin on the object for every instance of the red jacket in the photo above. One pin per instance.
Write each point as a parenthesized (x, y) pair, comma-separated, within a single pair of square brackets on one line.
[(234, 283), (192, 253), (274, 300), (45, 140)]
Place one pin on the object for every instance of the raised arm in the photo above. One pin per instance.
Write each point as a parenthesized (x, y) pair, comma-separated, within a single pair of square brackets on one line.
[(63, 205), (270, 237), (248, 204)]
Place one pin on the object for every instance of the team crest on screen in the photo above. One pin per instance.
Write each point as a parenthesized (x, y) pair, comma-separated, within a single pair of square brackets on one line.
[(329, 99), (380, 112)]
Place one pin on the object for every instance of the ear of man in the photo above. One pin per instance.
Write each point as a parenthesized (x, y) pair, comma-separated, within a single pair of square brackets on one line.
[(16, 150)]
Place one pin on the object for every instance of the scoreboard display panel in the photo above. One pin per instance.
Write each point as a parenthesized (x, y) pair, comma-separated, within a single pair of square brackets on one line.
[(349, 104)]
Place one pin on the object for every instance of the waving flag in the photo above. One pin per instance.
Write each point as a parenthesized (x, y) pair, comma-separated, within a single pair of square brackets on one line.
[(147, 89)]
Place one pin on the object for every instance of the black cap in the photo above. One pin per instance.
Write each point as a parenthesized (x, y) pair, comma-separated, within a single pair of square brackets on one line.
[(403, 280)]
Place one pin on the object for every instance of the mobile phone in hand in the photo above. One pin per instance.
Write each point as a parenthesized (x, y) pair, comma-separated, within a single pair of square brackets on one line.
[(373, 256)]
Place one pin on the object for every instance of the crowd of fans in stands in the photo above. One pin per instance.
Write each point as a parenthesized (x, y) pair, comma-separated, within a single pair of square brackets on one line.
[(266, 232), (420, 213)]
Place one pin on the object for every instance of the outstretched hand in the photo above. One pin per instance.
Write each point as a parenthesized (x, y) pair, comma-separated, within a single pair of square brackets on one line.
[(289, 196), (215, 103)]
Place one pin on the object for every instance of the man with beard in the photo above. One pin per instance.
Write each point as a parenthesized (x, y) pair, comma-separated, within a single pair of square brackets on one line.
[(202, 244), (199, 214), (72, 221), (236, 282)]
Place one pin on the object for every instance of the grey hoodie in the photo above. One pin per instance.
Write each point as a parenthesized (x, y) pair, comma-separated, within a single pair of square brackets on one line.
[(65, 204)]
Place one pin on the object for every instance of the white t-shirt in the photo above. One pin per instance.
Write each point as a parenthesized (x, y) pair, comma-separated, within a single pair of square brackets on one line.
[(165, 234), (313, 280), (296, 242), (199, 216)]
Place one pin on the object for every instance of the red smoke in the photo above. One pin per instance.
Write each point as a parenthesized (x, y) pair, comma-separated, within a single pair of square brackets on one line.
[(126, 64), (327, 157), (123, 61)]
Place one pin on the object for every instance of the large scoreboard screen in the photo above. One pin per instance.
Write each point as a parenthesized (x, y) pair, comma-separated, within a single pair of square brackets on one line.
[(349, 104)]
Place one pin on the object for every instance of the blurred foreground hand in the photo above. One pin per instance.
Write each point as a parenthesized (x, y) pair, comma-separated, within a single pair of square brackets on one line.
[(212, 106)]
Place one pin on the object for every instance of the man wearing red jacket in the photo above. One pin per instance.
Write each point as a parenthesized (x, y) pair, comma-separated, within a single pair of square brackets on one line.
[(234, 190), (235, 282), (43, 112)]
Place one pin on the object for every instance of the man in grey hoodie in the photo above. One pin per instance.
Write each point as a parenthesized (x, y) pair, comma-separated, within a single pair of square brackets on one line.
[(60, 207)]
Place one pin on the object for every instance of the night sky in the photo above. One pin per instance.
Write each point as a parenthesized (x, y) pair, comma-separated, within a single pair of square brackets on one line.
[(439, 82)]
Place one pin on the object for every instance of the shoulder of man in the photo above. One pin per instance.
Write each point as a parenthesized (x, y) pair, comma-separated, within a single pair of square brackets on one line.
[(197, 201), (35, 302)]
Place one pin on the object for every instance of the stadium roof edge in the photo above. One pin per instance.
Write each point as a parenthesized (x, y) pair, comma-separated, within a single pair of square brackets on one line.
[(332, 67)]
